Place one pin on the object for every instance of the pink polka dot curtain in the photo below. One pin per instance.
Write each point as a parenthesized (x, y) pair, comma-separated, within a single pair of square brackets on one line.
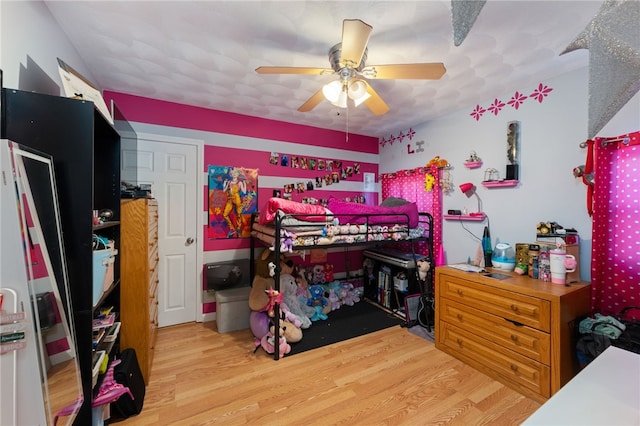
[(615, 257), (422, 186)]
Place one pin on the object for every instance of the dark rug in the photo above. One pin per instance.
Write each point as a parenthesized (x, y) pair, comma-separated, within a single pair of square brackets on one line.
[(343, 324)]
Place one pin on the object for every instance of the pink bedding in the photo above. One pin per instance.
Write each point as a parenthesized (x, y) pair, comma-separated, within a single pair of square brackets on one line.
[(307, 211), (345, 212)]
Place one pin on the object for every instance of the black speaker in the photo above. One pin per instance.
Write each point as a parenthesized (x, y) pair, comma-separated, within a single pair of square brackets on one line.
[(512, 172)]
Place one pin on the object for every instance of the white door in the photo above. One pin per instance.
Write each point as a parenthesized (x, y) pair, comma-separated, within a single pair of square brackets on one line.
[(171, 170)]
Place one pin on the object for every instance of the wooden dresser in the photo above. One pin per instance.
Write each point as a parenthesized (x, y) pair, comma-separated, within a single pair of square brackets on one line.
[(139, 279), (517, 330)]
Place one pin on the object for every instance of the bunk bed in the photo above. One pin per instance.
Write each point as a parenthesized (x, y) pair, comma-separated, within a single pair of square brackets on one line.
[(286, 226)]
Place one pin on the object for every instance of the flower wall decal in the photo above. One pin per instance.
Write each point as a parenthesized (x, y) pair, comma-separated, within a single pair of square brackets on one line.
[(478, 112), (541, 92), (496, 106), (518, 98), (398, 138)]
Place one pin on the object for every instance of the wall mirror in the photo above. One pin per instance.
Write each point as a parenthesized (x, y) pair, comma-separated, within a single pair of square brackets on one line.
[(48, 283)]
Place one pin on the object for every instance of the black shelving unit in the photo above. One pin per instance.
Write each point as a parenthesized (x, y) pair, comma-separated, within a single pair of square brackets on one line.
[(86, 153)]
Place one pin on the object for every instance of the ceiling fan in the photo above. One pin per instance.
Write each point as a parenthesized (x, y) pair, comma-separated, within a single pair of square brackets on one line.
[(348, 61)]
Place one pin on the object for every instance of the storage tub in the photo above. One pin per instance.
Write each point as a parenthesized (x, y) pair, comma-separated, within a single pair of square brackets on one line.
[(232, 309)]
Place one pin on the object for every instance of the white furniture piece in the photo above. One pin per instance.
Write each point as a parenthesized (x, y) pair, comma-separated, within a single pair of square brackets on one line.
[(606, 392)]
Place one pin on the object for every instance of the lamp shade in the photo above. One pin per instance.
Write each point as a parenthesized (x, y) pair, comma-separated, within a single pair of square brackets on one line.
[(332, 90), (358, 92), (466, 188)]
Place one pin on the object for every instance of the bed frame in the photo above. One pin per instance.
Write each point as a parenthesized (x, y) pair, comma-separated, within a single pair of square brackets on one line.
[(368, 237)]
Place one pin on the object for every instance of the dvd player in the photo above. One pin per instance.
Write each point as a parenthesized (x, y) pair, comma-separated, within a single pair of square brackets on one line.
[(393, 257)]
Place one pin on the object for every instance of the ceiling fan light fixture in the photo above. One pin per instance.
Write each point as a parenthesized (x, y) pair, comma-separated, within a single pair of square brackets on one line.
[(332, 91), (341, 102), (336, 93), (358, 92)]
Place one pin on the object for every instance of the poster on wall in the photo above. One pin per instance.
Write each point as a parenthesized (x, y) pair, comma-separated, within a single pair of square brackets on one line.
[(233, 197)]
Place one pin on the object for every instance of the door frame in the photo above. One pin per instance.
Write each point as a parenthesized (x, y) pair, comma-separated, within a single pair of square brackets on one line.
[(200, 213)]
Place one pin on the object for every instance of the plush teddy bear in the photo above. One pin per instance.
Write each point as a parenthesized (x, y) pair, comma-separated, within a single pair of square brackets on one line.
[(317, 301), (259, 301), (263, 279)]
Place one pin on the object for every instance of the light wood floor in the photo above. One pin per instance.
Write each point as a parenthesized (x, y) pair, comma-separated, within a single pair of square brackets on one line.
[(391, 377)]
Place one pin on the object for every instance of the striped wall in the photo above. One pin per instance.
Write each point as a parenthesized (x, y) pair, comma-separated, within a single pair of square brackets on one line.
[(243, 141)]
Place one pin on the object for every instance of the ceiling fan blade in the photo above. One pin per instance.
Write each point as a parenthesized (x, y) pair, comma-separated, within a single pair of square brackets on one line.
[(355, 36), (293, 70), (431, 71), (312, 102), (375, 102)]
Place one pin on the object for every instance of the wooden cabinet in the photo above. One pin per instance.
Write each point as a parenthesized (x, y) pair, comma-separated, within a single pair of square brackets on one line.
[(139, 277), (517, 330), (86, 155)]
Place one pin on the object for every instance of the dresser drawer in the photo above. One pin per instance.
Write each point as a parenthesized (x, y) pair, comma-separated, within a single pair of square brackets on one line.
[(495, 360), (514, 306), (522, 339)]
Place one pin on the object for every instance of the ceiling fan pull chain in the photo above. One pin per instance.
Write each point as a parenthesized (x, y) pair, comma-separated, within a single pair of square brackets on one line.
[(346, 138)]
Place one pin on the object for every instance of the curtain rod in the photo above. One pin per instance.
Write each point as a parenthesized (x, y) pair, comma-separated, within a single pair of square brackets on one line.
[(604, 142)]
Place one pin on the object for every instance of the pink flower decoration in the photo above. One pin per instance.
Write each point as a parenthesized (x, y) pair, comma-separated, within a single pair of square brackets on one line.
[(541, 92), (411, 133), (478, 112), (517, 99), (496, 106), (401, 137)]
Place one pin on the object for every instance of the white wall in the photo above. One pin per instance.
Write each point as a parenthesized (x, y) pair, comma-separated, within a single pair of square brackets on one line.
[(30, 43), (551, 132)]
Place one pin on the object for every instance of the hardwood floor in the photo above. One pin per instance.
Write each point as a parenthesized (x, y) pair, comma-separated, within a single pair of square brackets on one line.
[(390, 377)]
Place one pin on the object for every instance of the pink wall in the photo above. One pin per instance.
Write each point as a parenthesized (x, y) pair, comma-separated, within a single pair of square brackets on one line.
[(151, 111)]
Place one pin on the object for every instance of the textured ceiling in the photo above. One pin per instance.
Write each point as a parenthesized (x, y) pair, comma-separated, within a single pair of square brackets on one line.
[(204, 53)]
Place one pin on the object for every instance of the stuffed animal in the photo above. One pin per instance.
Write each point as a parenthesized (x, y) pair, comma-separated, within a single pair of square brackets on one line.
[(423, 267), (259, 323), (349, 296), (318, 275), (317, 301), (263, 279), (328, 273), (274, 296), (259, 299), (334, 300), (291, 303), (268, 342)]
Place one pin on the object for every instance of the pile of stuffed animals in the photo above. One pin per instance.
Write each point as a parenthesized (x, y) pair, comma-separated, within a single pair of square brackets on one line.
[(304, 297)]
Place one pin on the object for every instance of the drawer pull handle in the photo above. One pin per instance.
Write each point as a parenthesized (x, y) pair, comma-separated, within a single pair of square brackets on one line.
[(459, 292), (514, 337), (514, 308), (516, 323), (459, 316), (514, 367), (459, 342)]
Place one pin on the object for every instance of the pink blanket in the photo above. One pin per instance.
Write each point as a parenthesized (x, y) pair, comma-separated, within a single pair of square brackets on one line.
[(307, 211), (345, 212)]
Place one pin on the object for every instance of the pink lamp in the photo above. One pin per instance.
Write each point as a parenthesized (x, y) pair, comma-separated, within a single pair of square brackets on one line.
[(469, 189)]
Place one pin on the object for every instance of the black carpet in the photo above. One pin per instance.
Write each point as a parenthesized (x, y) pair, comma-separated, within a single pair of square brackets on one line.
[(343, 324)]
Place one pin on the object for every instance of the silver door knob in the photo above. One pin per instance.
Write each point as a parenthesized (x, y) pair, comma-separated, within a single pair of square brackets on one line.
[(189, 241)]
